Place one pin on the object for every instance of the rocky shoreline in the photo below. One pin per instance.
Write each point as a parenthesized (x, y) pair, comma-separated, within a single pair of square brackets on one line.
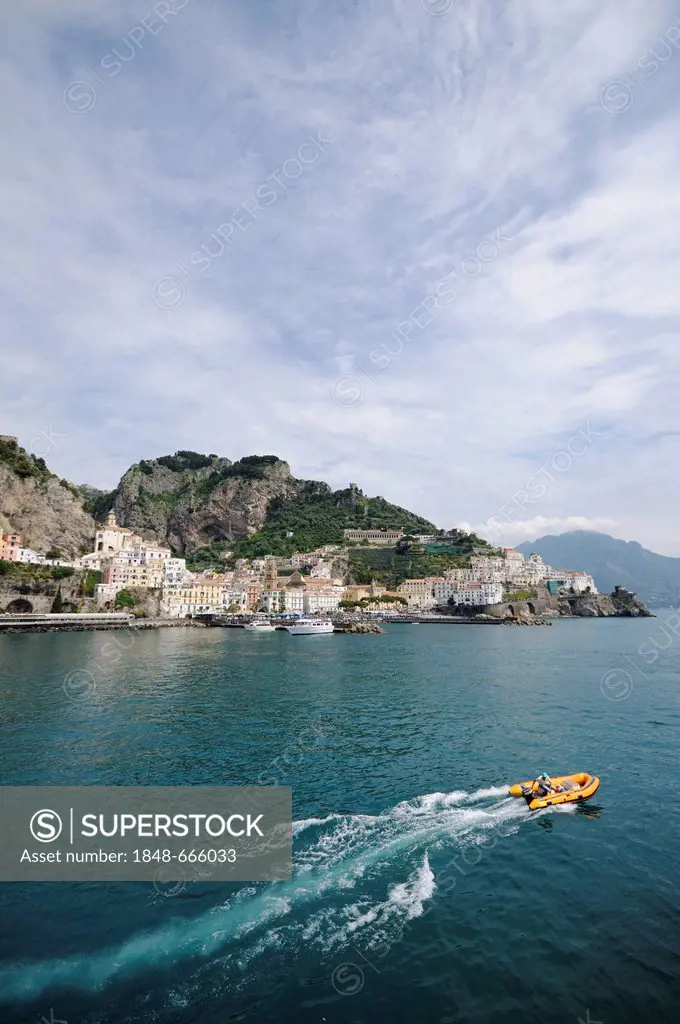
[(529, 621), (621, 603)]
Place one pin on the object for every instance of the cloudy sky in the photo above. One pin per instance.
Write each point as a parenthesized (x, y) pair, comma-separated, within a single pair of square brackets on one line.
[(426, 246)]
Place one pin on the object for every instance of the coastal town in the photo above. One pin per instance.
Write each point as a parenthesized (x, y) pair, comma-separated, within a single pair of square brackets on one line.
[(306, 583)]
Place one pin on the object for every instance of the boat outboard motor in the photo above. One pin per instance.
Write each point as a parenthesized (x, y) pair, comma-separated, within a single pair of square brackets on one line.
[(528, 793)]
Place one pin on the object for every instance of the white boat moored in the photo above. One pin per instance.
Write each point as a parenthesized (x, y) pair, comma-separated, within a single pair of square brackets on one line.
[(309, 627)]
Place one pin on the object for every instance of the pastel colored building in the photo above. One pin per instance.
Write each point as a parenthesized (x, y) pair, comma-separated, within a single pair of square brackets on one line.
[(422, 593), (203, 596), (10, 547)]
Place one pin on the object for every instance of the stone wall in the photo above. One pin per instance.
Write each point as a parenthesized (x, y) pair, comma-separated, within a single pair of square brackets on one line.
[(513, 609), (27, 595)]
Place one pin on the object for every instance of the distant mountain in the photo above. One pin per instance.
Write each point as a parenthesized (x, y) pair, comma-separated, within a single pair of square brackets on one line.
[(654, 578)]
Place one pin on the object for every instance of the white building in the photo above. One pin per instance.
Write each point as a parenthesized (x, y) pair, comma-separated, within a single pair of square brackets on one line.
[(488, 569), (121, 546), (271, 601), (479, 594), (30, 557), (175, 571), (318, 600), (294, 600), (104, 592), (580, 582), (373, 536), (236, 596), (304, 559), (444, 589)]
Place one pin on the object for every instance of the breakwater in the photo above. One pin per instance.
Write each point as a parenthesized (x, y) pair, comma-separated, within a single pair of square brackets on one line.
[(78, 623)]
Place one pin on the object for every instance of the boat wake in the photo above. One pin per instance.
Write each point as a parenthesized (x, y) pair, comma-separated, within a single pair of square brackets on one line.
[(338, 893)]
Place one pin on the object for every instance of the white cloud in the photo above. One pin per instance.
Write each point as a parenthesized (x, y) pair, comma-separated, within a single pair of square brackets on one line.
[(444, 131), (503, 534)]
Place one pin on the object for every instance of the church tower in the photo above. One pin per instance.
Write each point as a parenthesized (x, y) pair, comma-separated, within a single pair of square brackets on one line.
[(271, 575)]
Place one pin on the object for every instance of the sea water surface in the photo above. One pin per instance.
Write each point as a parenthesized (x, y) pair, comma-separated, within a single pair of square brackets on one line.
[(421, 891)]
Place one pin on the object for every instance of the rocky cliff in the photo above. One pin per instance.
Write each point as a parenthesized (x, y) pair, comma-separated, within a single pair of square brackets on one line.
[(46, 511), (620, 602), (254, 506), (191, 500)]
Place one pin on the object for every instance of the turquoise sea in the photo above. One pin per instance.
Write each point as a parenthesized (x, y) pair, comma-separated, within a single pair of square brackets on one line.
[(421, 892)]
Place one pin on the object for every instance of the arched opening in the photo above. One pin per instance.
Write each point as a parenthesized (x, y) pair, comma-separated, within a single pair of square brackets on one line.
[(511, 610), (100, 546), (531, 607), (20, 606)]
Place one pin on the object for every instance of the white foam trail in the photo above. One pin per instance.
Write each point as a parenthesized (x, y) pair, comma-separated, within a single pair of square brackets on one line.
[(483, 794), (341, 851)]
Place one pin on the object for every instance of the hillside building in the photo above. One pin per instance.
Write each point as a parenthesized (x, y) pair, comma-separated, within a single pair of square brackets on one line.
[(477, 595), (10, 547), (373, 536)]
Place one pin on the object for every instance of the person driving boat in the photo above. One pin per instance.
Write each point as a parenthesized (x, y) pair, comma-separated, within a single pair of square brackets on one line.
[(544, 785)]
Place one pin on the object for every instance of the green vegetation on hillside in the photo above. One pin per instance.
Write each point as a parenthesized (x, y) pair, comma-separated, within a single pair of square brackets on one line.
[(27, 466), (366, 602), (208, 557), (96, 502), (27, 573), (23, 464), (180, 461), (319, 516), (309, 516), (391, 566), (90, 581), (251, 467), (61, 572)]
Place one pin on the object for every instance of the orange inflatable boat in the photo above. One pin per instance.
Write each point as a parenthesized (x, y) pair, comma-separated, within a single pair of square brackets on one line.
[(570, 789)]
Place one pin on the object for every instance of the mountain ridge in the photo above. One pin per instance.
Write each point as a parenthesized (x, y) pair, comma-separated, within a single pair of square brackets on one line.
[(254, 505), (192, 502), (654, 578)]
